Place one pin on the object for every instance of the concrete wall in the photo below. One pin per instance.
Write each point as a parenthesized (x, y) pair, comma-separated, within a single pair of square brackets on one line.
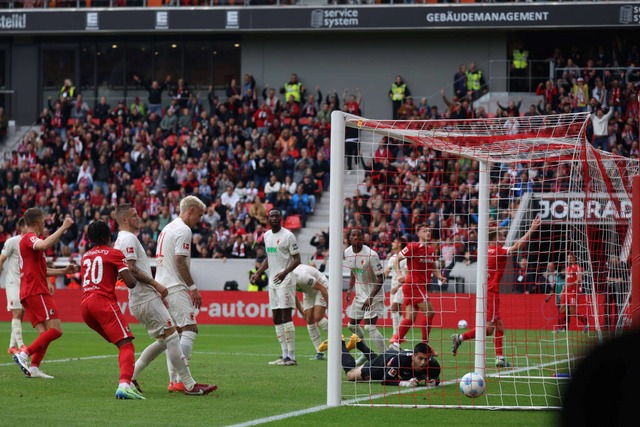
[(25, 72), (426, 60)]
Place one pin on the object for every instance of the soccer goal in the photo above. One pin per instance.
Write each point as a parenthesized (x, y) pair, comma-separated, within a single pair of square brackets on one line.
[(479, 184)]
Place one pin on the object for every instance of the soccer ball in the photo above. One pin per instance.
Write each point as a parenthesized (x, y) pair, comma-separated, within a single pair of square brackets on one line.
[(462, 324), (472, 385)]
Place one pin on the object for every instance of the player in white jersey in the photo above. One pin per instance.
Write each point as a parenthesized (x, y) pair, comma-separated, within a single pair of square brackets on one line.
[(282, 258), (396, 285), (366, 278), (313, 285), (173, 256), (146, 304), (11, 255)]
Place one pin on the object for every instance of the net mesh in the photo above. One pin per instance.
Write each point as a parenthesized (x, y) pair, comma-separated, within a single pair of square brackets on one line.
[(565, 289)]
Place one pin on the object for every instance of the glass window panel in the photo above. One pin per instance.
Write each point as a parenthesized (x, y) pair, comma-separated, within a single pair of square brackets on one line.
[(197, 65), (110, 59), (226, 63), (168, 62), (58, 64), (87, 83)]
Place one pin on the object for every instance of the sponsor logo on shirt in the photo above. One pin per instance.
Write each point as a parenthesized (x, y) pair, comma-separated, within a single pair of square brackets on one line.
[(272, 250), (129, 250), (185, 246)]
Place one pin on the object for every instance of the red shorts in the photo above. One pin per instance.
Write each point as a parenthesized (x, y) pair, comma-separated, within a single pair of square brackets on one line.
[(413, 294), (493, 307), (104, 316), (40, 308), (569, 295)]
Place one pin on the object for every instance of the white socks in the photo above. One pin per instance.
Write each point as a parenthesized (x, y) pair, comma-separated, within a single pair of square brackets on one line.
[(148, 355), (376, 337), (314, 334), (356, 329), (324, 324), (290, 339), (395, 319), (281, 339), (178, 360), (16, 333)]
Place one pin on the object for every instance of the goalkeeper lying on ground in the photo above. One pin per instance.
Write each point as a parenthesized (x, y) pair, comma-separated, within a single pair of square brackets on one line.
[(401, 368)]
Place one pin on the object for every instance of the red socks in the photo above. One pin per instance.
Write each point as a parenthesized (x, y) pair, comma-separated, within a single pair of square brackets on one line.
[(126, 361), (498, 342), (38, 348)]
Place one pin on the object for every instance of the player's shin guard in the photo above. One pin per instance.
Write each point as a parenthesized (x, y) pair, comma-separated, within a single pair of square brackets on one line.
[(405, 325), (126, 361), (38, 348), (395, 319), (178, 360), (498, 342), (356, 329), (376, 337), (324, 324), (469, 335), (290, 339), (314, 334), (16, 332), (281, 340), (148, 355)]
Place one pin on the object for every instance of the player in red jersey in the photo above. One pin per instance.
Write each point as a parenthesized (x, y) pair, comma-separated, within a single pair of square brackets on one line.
[(36, 292), (498, 255), (569, 296), (422, 258), (100, 268)]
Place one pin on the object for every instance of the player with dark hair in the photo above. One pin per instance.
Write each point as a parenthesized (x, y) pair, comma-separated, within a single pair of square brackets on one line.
[(400, 368), (36, 292), (282, 258), (396, 286), (498, 255), (569, 297), (313, 285), (101, 266)]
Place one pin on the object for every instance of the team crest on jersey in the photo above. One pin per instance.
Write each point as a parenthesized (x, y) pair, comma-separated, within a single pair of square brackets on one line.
[(277, 241), (362, 262), (51, 312), (129, 250), (127, 329), (33, 239), (392, 372), (169, 323), (185, 246), (192, 316)]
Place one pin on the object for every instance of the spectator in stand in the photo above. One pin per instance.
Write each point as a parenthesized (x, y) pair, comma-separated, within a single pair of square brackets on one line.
[(352, 102), (600, 122), (476, 84), (512, 109), (300, 205), (271, 99), (460, 82), (548, 91), (271, 189), (229, 198), (580, 96), (321, 170), (398, 93), (293, 88), (155, 93)]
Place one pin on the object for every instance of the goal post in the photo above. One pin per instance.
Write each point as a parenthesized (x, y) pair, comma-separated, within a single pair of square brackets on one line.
[(464, 178)]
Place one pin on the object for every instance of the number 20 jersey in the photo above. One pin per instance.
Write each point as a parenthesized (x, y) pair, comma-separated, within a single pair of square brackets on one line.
[(100, 268)]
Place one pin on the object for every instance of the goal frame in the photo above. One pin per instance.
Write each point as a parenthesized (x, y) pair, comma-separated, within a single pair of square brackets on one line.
[(335, 264)]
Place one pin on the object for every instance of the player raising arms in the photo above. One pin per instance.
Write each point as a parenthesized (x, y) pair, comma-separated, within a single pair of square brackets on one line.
[(497, 255), (282, 258), (313, 285), (11, 255), (173, 257), (422, 262), (101, 266), (145, 302), (366, 277), (36, 292)]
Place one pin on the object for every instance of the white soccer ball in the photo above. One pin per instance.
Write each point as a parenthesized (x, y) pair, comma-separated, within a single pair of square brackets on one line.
[(472, 385), (462, 324)]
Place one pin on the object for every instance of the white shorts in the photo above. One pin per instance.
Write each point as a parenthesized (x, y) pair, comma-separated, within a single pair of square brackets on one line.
[(398, 296), (312, 299), (355, 311), (181, 307), (13, 297), (154, 316), (282, 297)]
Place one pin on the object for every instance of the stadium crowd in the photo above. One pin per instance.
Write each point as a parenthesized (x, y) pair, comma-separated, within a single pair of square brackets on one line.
[(260, 148)]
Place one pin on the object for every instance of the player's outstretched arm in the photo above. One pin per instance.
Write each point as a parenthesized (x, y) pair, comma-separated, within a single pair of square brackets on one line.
[(535, 224), (49, 242)]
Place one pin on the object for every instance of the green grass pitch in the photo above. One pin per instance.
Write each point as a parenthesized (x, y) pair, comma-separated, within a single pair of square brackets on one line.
[(234, 357)]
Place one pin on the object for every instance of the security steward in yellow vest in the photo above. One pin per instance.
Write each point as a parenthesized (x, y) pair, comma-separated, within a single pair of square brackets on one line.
[(519, 81), (475, 82), (398, 92), (260, 283), (293, 88)]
